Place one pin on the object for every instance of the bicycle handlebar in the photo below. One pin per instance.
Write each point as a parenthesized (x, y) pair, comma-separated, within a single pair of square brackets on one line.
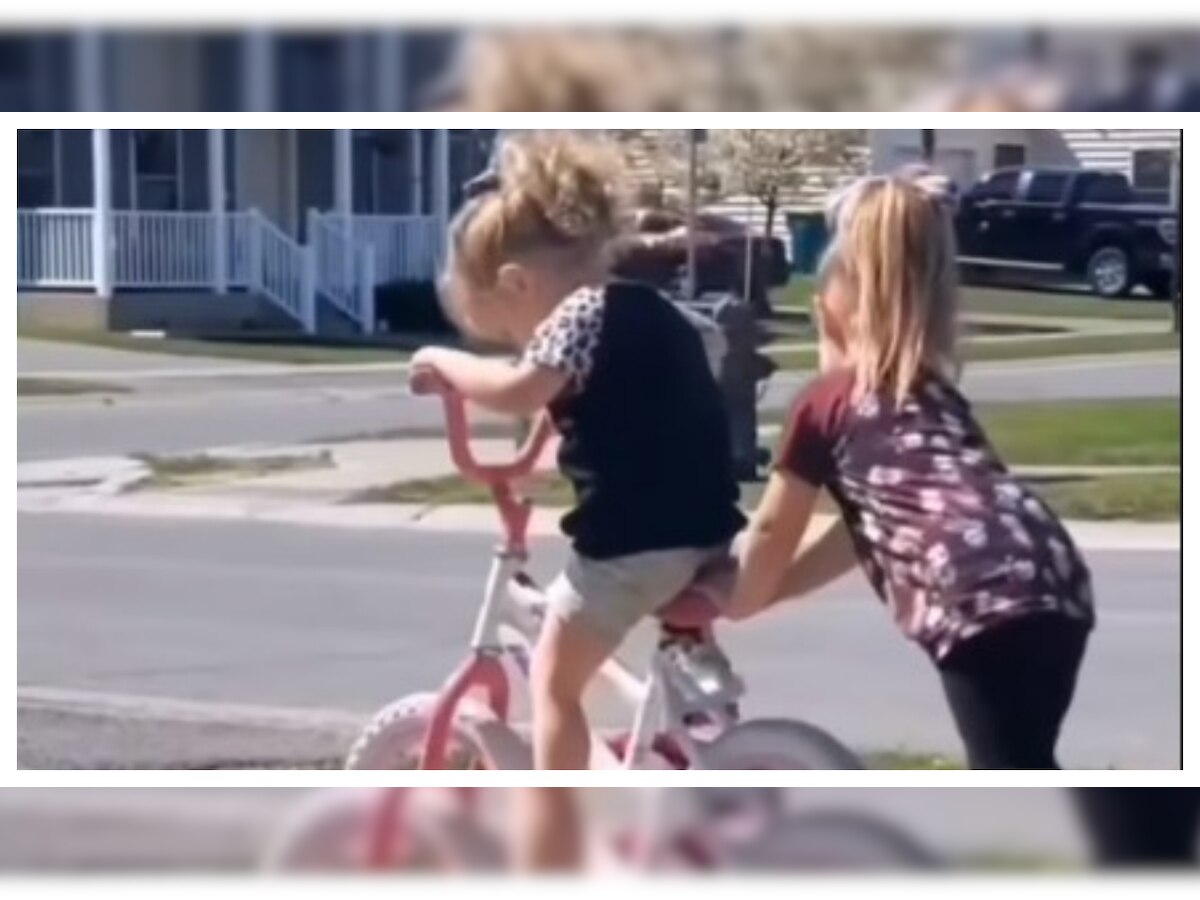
[(458, 433)]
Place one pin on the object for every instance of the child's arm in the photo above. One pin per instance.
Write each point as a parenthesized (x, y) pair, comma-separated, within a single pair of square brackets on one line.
[(825, 560), (517, 390), (776, 530)]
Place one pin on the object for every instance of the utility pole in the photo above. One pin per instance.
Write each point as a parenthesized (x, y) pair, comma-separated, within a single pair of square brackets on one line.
[(696, 137)]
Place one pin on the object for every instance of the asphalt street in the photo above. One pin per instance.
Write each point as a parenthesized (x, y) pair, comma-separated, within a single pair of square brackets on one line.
[(310, 617)]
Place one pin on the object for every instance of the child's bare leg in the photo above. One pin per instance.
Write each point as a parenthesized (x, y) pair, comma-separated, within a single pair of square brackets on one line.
[(567, 656), (549, 834)]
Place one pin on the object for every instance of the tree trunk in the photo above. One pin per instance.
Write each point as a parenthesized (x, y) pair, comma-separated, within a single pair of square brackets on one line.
[(772, 205), (1177, 313)]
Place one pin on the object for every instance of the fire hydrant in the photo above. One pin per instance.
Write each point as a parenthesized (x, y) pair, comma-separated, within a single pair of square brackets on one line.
[(743, 368)]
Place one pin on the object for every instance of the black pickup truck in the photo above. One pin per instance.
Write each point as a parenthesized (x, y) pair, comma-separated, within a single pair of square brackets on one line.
[(1066, 224)]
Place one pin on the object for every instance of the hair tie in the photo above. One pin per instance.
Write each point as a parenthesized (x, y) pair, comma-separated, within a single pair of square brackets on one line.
[(485, 183)]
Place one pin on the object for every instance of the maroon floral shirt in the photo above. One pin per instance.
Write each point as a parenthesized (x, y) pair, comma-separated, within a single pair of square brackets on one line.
[(949, 539)]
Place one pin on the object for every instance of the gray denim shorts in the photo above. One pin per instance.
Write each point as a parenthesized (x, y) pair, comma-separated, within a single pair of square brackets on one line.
[(611, 596)]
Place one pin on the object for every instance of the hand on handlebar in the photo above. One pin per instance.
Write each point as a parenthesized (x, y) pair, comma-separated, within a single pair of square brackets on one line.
[(424, 380)]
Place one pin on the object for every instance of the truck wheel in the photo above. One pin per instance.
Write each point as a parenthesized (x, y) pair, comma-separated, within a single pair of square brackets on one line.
[(1109, 271)]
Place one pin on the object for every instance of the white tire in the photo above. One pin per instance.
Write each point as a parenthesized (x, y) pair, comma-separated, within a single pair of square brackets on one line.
[(394, 737), (332, 830), (776, 744)]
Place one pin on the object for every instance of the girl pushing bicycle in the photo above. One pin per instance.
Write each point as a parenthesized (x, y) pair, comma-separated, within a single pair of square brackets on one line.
[(971, 563)]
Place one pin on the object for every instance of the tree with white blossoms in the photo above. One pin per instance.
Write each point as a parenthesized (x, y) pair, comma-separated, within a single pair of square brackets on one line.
[(767, 164), (771, 164)]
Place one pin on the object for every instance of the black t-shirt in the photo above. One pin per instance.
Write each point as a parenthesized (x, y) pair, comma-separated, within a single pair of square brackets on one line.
[(645, 437)]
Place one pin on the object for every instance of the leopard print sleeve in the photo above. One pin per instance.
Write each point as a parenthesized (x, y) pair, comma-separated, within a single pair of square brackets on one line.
[(567, 340)]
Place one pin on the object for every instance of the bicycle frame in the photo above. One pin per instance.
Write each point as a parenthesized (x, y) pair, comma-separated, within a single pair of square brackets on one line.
[(506, 625)]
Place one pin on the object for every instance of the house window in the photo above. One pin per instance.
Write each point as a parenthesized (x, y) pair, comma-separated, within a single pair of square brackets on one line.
[(1152, 170), (1008, 156), (157, 169), (37, 168)]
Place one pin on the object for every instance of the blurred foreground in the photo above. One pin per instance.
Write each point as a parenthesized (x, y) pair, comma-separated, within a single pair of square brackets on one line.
[(611, 69), (45, 830)]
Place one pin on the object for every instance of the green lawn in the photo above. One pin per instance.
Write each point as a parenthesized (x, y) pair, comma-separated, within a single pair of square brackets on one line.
[(1039, 348), (1033, 303), (904, 759), (1141, 432), (201, 468), (281, 350), (1087, 433), (62, 387), (1142, 498)]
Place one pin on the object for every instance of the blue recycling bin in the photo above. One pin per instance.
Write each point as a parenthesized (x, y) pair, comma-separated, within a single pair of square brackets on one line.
[(810, 235)]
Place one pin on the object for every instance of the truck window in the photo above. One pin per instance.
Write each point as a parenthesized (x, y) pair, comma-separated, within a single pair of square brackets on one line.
[(1047, 187), (1000, 186), (1007, 155), (1105, 189)]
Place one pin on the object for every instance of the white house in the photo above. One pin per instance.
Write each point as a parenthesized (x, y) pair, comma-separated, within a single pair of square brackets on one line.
[(289, 228), (966, 154)]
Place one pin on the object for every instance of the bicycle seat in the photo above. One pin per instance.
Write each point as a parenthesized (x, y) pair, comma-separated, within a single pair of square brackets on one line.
[(702, 602)]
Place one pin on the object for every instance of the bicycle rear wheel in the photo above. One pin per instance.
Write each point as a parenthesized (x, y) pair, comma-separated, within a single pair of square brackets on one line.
[(832, 841), (777, 744)]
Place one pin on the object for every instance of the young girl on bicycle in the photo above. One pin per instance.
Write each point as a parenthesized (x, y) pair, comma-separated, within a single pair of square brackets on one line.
[(628, 386), (972, 564)]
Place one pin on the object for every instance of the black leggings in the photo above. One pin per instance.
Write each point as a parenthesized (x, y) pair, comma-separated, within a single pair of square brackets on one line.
[(1010, 687), (1142, 826)]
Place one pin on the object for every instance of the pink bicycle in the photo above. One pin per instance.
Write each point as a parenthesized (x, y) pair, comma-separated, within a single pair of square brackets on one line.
[(704, 829), (683, 715)]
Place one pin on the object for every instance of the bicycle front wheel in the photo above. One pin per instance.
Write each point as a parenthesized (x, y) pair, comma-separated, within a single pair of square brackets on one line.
[(332, 830)]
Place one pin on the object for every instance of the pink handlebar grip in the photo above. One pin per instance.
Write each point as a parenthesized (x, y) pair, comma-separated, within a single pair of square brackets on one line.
[(458, 432)]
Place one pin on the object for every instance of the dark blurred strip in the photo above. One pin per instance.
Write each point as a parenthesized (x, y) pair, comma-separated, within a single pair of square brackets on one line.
[(600, 70)]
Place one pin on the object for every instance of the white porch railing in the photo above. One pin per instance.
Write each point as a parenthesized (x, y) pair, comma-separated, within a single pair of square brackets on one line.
[(152, 249), (407, 248), (164, 249), (282, 270), (345, 270), (54, 248)]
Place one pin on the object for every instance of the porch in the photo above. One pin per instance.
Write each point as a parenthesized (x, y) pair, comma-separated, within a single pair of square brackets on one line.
[(307, 262)]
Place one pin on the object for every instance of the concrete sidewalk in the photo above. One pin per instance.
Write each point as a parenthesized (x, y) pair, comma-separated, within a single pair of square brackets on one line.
[(318, 495)]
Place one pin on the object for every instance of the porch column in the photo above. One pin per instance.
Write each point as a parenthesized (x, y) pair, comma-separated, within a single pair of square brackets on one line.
[(417, 195), (258, 64), (216, 205), (389, 77), (343, 171), (88, 75), (441, 178), (343, 194), (102, 245)]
